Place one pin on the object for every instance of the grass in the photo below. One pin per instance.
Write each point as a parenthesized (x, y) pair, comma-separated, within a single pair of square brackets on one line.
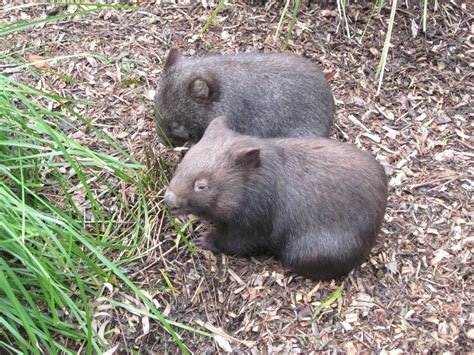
[(341, 7), (327, 303), (386, 45), (64, 209), (211, 18), (86, 8), (53, 261), (376, 7), (284, 11), (425, 14), (58, 229), (291, 25)]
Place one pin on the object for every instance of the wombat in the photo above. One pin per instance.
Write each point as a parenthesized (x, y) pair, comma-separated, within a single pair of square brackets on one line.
[(314, 203), (262, 94)]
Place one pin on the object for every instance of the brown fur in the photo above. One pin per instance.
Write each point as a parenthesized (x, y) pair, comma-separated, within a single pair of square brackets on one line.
[(315, 203)]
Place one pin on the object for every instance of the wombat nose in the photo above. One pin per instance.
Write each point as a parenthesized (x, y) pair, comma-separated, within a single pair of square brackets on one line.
[(171, 200), (180, 132)]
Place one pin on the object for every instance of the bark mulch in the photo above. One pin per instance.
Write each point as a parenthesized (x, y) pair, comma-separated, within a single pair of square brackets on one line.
[(415, 292)]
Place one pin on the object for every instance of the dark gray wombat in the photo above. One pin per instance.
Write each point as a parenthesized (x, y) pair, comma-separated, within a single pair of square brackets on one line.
[(314, 203), (261, 94)]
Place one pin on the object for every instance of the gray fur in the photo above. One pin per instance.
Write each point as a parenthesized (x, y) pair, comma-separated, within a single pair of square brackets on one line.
[(261, 94), (314, 203)]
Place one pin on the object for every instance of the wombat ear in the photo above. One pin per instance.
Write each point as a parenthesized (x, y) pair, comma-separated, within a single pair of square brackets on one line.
[(173, 57), (219, 122), (200, 89), (248, 157)]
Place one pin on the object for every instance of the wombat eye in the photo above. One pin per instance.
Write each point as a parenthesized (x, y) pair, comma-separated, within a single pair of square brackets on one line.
[(200, 185)]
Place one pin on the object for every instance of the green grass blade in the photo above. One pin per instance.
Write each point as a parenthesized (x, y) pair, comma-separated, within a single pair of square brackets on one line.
[(24, 317), (386, 45), (292, 24), (425, 14), (282, 18), (21, 25), (211, 18), (375, 10), (333, 297), (142, 312)]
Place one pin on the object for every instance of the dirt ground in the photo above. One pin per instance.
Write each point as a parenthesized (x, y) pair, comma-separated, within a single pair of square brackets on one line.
[(415, 292)]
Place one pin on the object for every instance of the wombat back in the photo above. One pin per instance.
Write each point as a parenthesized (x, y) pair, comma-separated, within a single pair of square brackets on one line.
[(262, 94), (315, 203), (336, 201)]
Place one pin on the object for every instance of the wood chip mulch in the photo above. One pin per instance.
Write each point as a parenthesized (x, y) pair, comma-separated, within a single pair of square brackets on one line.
[(415, 292)]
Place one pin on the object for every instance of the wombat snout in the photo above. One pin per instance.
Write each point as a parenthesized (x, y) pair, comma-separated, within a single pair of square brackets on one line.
[(173, 201), (177, 132)]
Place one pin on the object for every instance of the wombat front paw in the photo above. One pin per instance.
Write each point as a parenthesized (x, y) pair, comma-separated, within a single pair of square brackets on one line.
[(207, 242)]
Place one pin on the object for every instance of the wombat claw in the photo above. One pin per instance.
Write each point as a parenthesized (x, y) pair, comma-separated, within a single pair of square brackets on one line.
[(206, 242)]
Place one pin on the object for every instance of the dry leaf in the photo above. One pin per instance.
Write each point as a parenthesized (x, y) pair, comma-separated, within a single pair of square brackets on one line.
[(223, 343), (146, 325), (111, 350), (328, 13), (38, 61), (440, 254), (374, 51), (414, 28), (447, 155), (373, 137), (329, 75)]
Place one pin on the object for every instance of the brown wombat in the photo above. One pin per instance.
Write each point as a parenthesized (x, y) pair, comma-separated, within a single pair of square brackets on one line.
[(261, 94), (315, 203)]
